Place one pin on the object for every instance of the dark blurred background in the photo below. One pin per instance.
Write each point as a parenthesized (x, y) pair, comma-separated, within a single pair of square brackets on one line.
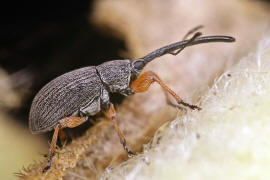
[(40, 40)]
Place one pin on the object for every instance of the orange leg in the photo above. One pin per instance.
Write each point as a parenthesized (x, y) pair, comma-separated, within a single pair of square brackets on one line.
[(111, 114), (70, 122), (170, 103), (146, 79), (62, 136)]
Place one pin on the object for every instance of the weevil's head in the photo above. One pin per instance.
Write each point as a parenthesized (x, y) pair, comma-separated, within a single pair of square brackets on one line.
[(137, 66)]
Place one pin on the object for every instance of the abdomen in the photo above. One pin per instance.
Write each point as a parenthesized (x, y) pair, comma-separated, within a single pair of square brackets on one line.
[(62, 97)]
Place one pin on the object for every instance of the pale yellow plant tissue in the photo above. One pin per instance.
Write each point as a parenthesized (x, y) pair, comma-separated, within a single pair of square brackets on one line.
[(228, 139)]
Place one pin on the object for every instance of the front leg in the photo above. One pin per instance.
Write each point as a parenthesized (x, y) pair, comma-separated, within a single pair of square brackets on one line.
[(144, 81)]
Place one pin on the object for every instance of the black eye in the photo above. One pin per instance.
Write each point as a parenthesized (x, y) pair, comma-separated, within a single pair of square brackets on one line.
[(138, 64)]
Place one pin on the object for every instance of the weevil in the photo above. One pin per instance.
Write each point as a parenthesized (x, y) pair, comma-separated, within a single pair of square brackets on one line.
[(68, 100)]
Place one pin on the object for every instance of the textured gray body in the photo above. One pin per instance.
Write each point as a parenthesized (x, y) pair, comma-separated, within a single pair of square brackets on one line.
[(82, 92)]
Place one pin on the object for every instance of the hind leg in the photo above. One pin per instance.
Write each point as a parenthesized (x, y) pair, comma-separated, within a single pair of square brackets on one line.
[(70, 122)]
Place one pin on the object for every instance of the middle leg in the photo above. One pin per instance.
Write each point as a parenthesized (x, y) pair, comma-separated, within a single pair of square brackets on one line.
[(111, 114)]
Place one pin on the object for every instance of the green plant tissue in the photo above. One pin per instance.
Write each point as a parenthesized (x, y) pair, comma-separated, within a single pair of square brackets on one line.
[(228, 139)]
